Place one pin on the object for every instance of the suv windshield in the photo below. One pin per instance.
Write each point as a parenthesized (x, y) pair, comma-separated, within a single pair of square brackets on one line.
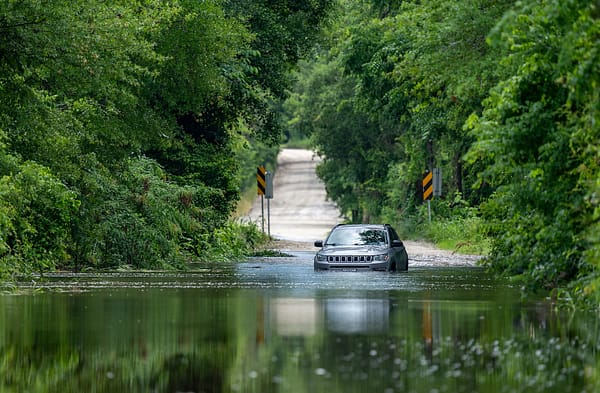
[(356, 236)]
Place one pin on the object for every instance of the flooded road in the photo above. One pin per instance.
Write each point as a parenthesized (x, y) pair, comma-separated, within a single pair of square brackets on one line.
[(275, 325)]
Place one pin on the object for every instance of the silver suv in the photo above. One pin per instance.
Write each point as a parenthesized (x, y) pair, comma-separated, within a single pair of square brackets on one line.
[(362, 246)]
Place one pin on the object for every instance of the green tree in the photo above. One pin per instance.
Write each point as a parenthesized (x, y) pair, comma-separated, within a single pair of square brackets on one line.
[(68, 85), (536, 136), (139, 109), (405, 86), (414, 72)]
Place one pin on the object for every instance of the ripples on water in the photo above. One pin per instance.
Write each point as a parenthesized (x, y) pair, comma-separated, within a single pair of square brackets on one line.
[(275, 325)]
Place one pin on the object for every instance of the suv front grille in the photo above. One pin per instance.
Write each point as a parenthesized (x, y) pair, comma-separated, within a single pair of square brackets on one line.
[(350, 258)]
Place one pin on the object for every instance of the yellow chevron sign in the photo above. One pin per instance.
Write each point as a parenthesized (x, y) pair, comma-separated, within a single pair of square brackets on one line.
[(427, 186), (261, 180)]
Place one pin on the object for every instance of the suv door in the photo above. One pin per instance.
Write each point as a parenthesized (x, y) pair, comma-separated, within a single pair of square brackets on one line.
[(399, 253)]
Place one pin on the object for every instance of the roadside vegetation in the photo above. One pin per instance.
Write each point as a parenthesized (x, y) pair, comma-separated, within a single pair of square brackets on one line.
[(503, 96), (128, 129)]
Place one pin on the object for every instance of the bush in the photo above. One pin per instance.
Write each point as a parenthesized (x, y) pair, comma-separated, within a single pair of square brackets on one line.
[(232, 242), (145, 221), (454, 226), (139, 219), (35, 220)]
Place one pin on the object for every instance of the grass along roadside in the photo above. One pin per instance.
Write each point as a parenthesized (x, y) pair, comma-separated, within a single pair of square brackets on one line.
[(459, 235), (463, 235)]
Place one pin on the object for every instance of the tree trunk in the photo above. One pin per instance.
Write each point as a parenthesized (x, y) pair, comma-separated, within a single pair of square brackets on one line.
[(458, 175)]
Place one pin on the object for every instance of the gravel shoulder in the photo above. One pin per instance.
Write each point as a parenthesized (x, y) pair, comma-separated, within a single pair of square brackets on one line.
[(300, 213), (420, 253)]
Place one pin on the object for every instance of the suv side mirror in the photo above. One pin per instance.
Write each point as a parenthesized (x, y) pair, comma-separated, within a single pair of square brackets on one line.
[(319, 243), (397, 243)]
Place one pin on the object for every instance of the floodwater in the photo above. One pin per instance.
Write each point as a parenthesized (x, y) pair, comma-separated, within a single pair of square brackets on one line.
[(275, 325)]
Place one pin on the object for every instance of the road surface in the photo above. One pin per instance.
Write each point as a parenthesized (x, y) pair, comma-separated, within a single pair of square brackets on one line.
[(300, 213), (300, 210)]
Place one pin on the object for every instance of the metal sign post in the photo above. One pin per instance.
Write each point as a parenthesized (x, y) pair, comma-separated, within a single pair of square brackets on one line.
[(264, 184), (432, 186), (428, 190), (261, 185), (269, 196), (437, 182), (262, 212)]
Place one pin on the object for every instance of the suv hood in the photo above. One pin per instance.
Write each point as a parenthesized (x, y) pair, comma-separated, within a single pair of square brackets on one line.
[(353, 250)]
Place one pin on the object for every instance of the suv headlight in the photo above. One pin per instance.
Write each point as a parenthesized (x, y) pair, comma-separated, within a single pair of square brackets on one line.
[(321, 258), (380, 258)]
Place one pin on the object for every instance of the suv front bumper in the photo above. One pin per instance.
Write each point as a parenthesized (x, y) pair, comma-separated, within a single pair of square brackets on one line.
[(370, 266)]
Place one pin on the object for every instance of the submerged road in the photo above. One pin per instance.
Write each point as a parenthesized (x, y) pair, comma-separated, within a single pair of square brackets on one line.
[(301, 213), (268, 324)]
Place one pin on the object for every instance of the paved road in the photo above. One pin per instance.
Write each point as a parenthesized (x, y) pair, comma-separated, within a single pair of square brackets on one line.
[(299, 209)]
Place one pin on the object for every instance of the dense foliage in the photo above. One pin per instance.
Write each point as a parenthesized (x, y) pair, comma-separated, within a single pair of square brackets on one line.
[(122, 124), (502, 96), (538, 135), (390, 99)]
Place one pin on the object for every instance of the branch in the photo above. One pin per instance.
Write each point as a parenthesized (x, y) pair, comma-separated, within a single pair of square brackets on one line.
[(23, 24)]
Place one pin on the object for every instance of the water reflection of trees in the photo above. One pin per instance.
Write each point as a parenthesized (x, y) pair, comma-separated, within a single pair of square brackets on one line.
[(425, 345), (252, 343)]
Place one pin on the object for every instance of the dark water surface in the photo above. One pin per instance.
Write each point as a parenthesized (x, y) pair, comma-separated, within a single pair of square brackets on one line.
[(274, 325)]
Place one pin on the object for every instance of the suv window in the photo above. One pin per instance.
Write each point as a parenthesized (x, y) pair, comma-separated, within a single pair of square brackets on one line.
[(393, 234), (356, 236)]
